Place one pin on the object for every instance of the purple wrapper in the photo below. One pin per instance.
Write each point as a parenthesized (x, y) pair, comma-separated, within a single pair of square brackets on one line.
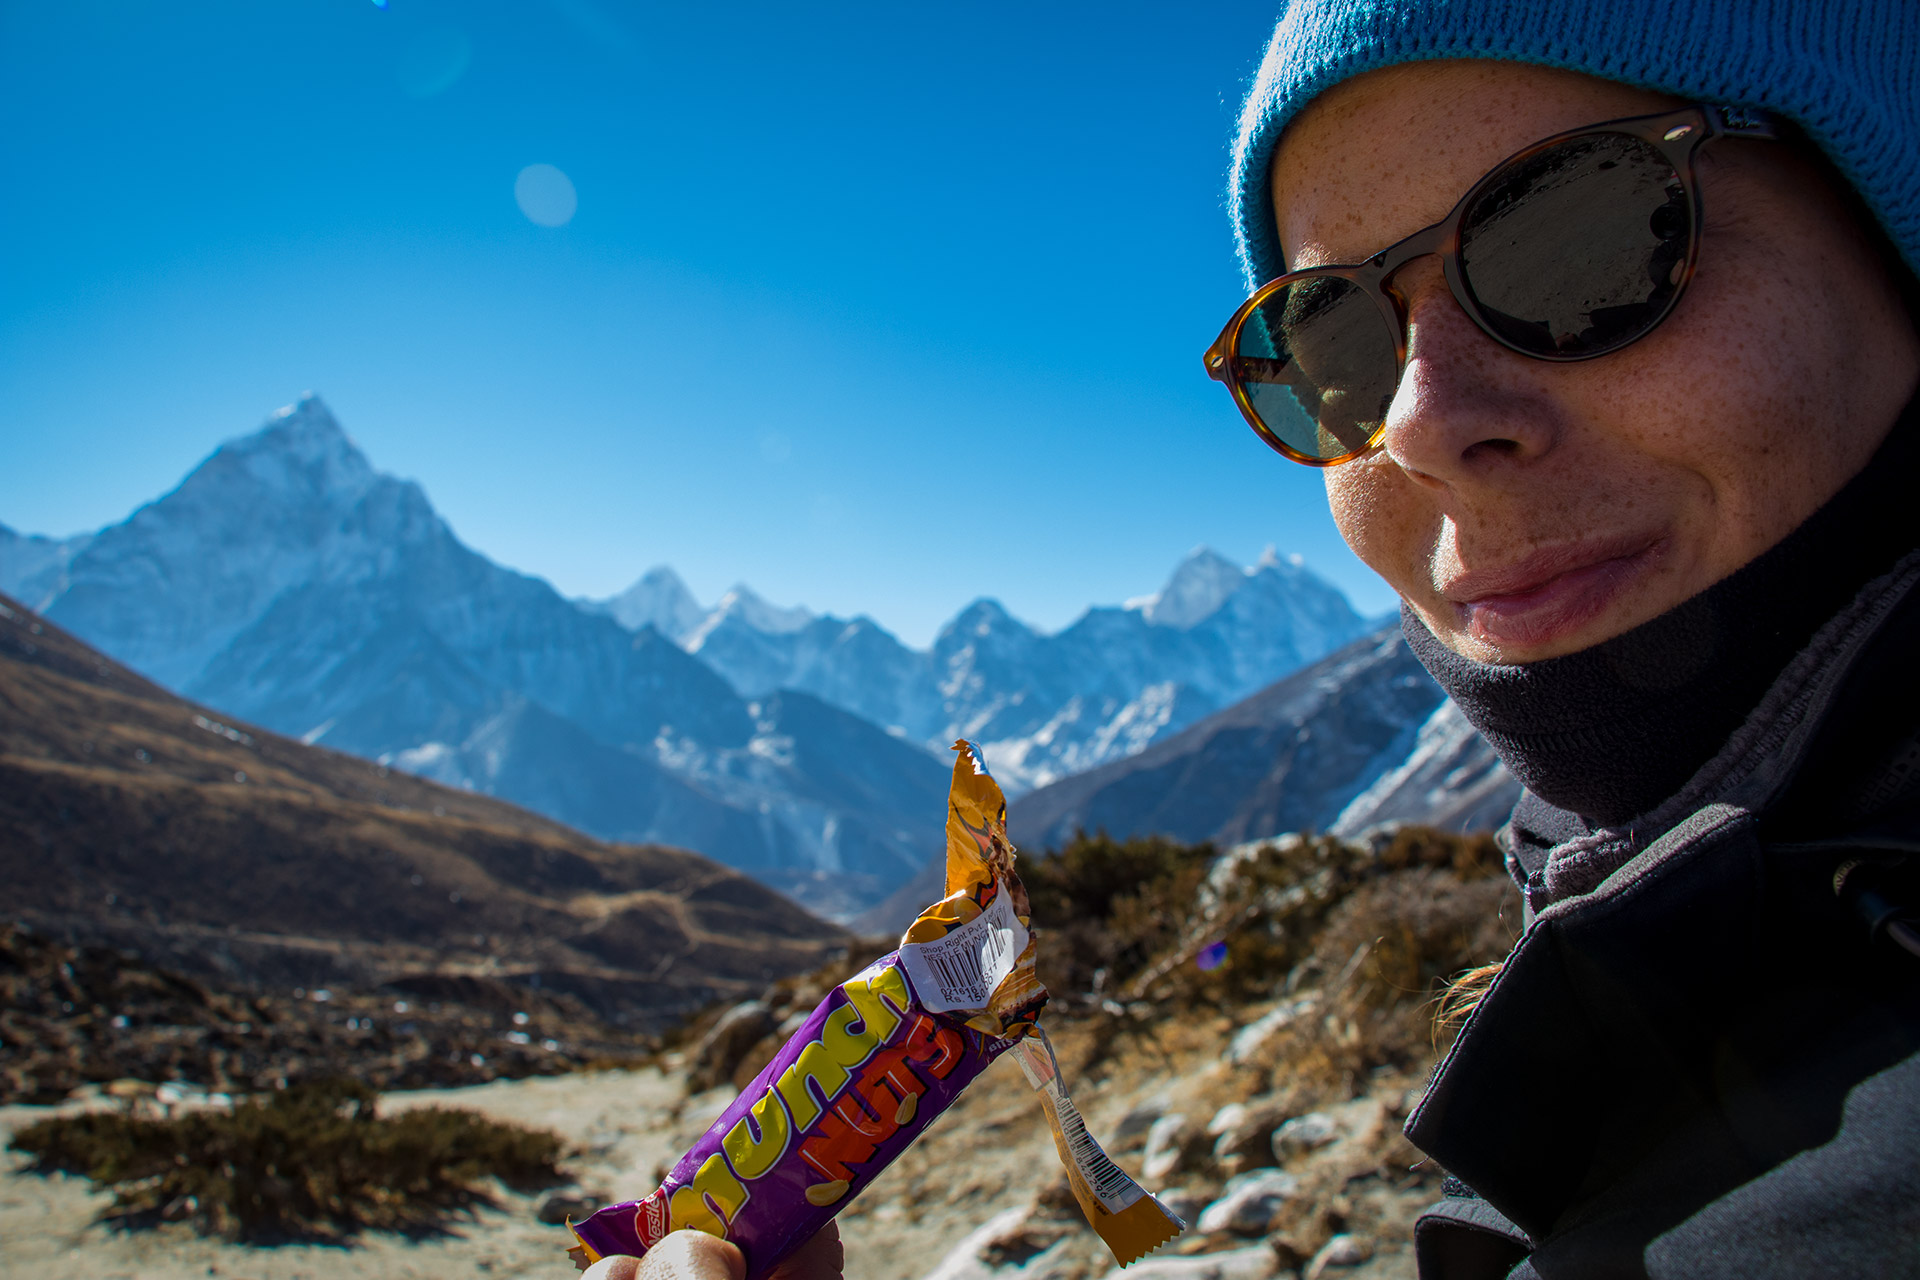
[(846, 1095)]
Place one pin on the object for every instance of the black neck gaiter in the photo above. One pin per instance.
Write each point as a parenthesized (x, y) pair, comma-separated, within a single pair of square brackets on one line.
[(1609, 732)]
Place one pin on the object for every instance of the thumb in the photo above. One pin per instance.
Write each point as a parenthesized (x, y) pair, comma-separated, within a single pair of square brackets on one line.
[(683, 1255)]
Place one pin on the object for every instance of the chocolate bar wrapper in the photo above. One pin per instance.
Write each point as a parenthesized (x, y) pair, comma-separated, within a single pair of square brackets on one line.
[(846, 1095), (887, 1051)]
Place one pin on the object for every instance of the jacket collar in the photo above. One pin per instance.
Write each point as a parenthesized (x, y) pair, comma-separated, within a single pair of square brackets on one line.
[(1632, 932)]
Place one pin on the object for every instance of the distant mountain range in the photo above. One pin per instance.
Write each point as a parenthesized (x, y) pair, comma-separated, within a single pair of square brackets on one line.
[(1360, 739), (288, 582), (1043, 706)]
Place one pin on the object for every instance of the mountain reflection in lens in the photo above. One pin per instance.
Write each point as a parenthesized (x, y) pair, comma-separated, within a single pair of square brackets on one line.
[(1578, 250), (1318, 363)]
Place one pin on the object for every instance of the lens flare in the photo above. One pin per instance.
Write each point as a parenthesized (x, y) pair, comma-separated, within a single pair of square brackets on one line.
[(1211, 956), (545, 195)]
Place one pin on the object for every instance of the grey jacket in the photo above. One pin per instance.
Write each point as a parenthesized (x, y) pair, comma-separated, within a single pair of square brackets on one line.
[(1696, 1062)]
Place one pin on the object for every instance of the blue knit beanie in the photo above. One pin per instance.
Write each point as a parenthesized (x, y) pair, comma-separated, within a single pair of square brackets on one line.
[(1846, 71)]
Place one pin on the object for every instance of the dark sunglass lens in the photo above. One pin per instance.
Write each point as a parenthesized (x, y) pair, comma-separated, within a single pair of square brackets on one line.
[(1318, 362), (1579, 249)]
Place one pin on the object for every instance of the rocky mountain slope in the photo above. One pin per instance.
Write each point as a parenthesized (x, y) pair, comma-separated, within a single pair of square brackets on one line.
[(1361, 737), (134, 819), (1451, 780), (289, 583)]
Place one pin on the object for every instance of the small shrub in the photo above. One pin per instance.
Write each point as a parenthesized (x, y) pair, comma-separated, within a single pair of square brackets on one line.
[(1365, 935), (313, 1162), (1110, 906)]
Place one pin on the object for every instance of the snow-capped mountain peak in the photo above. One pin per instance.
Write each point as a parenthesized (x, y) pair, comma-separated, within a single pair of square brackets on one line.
[(983, 617), (1043, 704), (289, 583), (1270, 558), (743, 604), (659, 600), (303, 453), (1200, 584)]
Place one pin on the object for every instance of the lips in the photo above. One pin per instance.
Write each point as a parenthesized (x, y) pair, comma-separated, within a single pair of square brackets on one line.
[(1546, 599)]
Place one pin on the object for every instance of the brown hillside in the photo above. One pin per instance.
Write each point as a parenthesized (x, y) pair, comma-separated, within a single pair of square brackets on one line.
[(133, 818)]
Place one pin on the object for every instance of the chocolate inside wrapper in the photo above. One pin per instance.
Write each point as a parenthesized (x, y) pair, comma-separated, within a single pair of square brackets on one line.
[(883, 1054)]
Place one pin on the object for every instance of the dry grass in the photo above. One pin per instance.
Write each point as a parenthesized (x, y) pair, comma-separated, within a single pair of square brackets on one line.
[(1368, 936)]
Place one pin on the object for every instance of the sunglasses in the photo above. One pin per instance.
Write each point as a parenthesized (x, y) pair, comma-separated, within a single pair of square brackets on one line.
[(1575, 247)]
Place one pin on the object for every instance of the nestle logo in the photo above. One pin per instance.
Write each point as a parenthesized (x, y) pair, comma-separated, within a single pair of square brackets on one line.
[(650, 1218)]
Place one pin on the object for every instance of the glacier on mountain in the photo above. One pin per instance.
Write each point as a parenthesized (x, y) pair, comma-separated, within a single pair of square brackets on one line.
[(1362, 738)]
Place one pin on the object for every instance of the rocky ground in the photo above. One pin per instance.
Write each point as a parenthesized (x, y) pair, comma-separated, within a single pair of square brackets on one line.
[(1254, 1073), (979, 1196), (74, 1016)]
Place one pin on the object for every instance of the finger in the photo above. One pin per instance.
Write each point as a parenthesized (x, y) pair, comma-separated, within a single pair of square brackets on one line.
[(821, 1258), (616, 1267), (690, 1255)]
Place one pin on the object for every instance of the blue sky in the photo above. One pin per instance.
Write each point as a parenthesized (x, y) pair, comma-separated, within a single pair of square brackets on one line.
[(877, 308)]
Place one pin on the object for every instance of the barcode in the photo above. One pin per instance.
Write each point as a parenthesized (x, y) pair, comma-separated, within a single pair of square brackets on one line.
[(960, 975), (961, 970), (1108, 1180)]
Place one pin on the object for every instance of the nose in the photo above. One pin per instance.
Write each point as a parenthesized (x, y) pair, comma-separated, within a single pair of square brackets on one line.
[(1467, 408)]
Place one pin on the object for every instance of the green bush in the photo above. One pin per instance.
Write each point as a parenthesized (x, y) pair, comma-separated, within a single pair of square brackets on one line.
[(312, 1162)]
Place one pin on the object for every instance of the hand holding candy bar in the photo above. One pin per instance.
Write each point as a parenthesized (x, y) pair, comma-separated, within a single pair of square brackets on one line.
[(695, 1255), (887, 1051)]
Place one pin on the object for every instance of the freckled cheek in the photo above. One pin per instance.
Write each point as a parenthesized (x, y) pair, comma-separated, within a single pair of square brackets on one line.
[(1391, 530), (1731, 433)]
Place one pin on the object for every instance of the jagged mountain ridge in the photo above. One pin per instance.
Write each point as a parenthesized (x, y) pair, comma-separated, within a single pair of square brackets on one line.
[(1043, 705), (1363, 736), (287, 582)]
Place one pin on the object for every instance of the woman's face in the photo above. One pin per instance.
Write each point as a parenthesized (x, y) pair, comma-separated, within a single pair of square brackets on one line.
[(1527, 509)]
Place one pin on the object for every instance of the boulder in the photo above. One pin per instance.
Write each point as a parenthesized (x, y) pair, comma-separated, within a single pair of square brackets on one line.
[(1132, 1130), (1244, 1139), (720, 1050), (1247, 1203), (1256, 1263), (1166, 1146), (1304, 1133), (1226, 1118), (1341, 1251)]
